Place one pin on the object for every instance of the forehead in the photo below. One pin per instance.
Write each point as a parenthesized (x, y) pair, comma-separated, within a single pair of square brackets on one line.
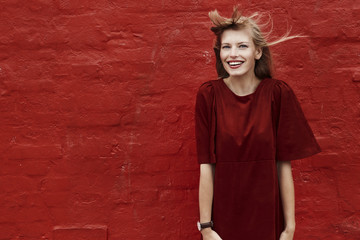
[(235, 36)]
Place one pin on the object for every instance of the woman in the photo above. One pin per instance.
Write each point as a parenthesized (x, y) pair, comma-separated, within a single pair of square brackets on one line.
[(248, 128)]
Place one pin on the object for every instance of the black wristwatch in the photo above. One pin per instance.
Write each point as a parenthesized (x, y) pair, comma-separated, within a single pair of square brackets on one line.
[(201, 226)]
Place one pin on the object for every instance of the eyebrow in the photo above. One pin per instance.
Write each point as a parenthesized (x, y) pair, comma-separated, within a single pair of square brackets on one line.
[(229, 43)]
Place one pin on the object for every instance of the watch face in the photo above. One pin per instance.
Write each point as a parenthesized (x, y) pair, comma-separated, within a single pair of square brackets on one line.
[(199, 226)]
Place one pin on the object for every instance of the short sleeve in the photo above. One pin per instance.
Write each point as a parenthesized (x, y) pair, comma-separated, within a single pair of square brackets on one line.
[(205, 123), (294, 137)]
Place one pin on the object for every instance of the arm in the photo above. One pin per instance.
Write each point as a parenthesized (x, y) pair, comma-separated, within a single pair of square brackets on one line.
[(206, 193), (287, 193)]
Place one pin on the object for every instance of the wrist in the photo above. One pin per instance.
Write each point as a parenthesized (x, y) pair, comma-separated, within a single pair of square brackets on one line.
[(290, 228), (205, 231)]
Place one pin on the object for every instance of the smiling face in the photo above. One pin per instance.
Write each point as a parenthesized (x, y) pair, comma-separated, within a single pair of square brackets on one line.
[(238, 53)]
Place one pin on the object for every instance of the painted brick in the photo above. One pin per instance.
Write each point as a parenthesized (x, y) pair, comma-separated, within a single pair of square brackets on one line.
[(7, 231), (34, 152), (80, 233), (97, 114), (11, 184)]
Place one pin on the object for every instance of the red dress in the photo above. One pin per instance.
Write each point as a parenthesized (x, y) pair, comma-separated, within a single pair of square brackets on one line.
[(245, 136)]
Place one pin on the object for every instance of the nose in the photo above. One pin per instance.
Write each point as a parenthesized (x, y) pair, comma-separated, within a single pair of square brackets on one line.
[(233, 52)]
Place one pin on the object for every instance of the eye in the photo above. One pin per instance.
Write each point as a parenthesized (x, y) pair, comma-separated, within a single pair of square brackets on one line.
[(225, 47), (243, 46)]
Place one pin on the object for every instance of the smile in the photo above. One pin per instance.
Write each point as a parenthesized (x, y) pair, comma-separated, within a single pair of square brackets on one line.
[(235, 64)]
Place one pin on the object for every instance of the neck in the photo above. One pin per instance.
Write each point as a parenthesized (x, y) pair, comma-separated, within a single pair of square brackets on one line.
[(248, 78), (243, 85)]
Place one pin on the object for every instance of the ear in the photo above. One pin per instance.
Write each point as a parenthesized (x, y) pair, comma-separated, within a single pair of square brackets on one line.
[(258, 53)]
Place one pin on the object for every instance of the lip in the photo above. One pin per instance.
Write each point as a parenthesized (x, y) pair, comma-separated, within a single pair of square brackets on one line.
[(234, 67)]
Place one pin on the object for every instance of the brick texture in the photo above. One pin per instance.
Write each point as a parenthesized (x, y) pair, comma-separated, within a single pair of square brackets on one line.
[(80, 233), (97, 115)]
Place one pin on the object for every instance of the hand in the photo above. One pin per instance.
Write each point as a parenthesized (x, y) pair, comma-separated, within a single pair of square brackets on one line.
[(287, 235), (209, 234)]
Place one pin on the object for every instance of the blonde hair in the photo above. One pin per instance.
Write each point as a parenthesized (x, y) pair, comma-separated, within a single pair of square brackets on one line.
[(263, 66)]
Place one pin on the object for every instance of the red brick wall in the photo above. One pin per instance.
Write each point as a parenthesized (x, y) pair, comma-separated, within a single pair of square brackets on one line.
[(97, 102)]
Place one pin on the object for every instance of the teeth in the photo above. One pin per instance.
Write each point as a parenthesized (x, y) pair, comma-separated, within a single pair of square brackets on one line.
[(234, 63)]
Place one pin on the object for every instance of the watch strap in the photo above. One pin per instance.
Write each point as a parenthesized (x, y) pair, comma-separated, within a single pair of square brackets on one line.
[(206, 225)]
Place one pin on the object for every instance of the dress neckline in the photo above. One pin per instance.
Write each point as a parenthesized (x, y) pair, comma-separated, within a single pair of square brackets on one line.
[(243, 96)]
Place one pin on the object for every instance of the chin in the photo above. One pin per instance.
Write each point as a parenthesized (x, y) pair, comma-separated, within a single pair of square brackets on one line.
[(235, 74)]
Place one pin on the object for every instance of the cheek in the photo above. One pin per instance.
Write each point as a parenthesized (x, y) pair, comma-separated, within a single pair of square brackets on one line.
[(249, 55), (222, 55)]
